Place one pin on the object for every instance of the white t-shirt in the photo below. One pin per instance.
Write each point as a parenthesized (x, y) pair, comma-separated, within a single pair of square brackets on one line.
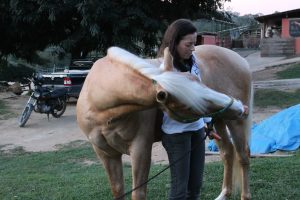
[(171, 126)]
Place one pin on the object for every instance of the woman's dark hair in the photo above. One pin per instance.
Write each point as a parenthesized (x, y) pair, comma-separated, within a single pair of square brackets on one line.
[(174, 33)]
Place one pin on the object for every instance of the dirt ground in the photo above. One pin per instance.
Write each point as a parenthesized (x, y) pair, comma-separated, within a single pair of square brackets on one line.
[(41, 134)]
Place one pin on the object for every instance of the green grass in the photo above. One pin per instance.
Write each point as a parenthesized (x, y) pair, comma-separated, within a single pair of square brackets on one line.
[(291, 72), (64, 175), (272, 97), (279, 98)]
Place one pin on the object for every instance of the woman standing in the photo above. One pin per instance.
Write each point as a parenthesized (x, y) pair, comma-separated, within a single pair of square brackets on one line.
[(184, 142)]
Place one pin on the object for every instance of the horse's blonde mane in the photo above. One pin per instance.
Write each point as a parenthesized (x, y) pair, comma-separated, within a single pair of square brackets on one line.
[(122, 56), (191, 93), (187, 91)]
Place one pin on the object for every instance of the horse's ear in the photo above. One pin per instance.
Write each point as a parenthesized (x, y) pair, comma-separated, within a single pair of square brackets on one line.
[(168, 60)]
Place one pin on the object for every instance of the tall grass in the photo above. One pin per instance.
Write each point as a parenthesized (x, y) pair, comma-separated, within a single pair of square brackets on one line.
[(66, 174)]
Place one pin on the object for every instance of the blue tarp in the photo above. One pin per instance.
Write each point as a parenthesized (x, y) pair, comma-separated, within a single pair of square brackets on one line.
[(278, 132)]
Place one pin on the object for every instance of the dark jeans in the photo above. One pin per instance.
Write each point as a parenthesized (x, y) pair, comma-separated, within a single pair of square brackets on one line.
[(187, 173)]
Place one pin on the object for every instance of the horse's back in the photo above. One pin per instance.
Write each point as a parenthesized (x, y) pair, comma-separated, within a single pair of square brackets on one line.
[(224, 70), (221, 53)]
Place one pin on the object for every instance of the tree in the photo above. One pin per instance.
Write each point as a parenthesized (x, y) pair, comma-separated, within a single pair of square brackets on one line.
[(80, 26), (245, 20)]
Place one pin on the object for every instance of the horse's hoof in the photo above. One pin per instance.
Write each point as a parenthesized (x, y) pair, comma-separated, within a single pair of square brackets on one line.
[(222, 195)]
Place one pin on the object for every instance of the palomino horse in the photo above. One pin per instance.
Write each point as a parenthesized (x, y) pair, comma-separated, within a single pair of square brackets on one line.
[(117, 110)]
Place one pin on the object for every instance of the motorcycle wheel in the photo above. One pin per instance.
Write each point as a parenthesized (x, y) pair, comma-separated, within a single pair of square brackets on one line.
[(25, 115), (59, 110)]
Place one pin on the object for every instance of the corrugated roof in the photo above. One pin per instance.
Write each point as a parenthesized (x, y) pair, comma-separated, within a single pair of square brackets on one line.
[(286, 14)]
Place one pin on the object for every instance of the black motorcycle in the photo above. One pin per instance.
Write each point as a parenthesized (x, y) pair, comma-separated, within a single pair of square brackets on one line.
[(44, 100)]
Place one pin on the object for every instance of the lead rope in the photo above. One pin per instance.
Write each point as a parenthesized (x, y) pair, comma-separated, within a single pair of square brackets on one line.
[(207, 134)]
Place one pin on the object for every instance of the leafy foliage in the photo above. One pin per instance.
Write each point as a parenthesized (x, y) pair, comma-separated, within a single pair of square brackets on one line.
[(245, 20), (14, 73), (80, 26)]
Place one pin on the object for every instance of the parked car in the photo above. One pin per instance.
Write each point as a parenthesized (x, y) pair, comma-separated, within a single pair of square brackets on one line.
[(71, 78)]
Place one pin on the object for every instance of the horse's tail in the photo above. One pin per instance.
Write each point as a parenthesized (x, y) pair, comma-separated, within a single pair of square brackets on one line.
[(249, 119), (236, 175)]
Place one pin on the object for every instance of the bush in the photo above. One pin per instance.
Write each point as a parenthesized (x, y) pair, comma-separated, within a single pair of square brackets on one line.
[(13, 73)]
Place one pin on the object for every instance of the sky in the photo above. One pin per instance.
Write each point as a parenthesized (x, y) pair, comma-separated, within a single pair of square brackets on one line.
[(261, 6)]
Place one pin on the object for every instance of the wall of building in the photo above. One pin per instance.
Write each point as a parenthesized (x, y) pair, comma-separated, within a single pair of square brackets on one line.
[(285, 33), (206, 39), (297, 45), (277, 47)]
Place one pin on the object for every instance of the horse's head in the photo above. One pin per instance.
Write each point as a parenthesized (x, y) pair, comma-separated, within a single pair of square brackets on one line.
[(186, 99)]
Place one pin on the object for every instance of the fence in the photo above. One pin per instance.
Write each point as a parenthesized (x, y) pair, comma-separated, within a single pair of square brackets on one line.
[(228, 35), (239, 37)]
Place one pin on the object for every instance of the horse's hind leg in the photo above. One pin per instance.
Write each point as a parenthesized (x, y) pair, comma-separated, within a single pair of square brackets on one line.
[(239, 132), (226, 153), (114, 169)]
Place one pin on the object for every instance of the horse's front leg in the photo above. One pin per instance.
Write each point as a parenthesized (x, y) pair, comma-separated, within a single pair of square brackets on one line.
[(140, 161), (114, 169), (227, 155)]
